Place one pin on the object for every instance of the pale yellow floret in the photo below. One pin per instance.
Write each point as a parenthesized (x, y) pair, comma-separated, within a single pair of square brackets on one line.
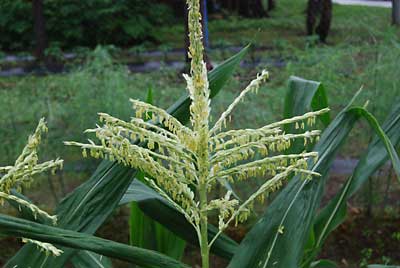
[(159, 116), (46, 247), (23, 203), (21, 174), (252, 87)]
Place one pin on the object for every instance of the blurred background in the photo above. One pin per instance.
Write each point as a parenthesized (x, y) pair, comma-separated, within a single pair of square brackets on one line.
[(66, 60)]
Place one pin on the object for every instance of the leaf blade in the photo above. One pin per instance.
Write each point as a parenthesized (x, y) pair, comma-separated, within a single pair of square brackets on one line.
[(57, 236)]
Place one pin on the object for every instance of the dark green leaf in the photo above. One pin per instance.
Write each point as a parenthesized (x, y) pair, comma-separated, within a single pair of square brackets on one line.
[(335, 212), (294, 208), (57, 236), (83, 259), (304, 96), (157, 208), (84, 211)]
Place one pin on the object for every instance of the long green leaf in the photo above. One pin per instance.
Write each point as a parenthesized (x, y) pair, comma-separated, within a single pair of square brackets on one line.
[(294, 208), (83, 259), (57, 236), (335, 212), (89, 205), (160, 210), (84, 211), (304, 96)]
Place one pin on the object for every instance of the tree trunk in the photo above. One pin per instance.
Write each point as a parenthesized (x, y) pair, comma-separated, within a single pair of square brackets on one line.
[(396, 12), (39, 29), (252, 8), (323, 10), (271, 5), (325, 21), (258, 9)]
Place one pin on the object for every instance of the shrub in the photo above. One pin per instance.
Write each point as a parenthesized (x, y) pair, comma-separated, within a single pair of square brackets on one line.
[(119, 22)]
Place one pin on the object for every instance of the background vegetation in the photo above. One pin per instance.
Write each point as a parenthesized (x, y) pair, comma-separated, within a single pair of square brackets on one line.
[(362, 51)]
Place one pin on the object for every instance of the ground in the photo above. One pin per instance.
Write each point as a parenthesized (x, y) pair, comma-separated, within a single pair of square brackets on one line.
[(362, 51)]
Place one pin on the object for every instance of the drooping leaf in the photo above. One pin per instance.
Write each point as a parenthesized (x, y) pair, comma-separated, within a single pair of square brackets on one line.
[(84, 210), (293, 210), (88, 206), (377, 155), (57, 236), (304, 96), (157, 208), (83, 259)]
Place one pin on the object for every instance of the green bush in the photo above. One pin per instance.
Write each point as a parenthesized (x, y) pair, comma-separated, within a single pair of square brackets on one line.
[(83, 23)]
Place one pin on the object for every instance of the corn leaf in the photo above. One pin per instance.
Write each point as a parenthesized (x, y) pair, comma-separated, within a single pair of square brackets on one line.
[(293, 210), (376, 155), (304, 96), (83, 259), (84, 210), (57, 236), (157, 208), (89, 205)]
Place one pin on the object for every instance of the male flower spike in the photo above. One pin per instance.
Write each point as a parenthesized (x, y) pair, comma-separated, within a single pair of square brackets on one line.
[(183, 164)]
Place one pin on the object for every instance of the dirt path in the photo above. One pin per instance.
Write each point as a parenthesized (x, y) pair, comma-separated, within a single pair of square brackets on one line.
[(372, 3)]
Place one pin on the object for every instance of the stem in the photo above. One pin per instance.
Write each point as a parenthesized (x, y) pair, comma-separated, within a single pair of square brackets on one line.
[(203, 227), (200, 112)]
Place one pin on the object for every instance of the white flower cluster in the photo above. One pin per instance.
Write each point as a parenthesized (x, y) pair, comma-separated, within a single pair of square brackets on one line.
[(45, 247), (21, 174)]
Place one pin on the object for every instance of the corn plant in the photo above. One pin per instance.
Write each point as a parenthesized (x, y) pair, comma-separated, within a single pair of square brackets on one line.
[(185, 164), (182, 164)]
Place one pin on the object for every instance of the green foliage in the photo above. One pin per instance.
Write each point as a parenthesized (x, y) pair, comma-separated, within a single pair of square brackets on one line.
[(68, 102), (83, 23), (89, 205), (295, 206), (23, 228), (160, 210)]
